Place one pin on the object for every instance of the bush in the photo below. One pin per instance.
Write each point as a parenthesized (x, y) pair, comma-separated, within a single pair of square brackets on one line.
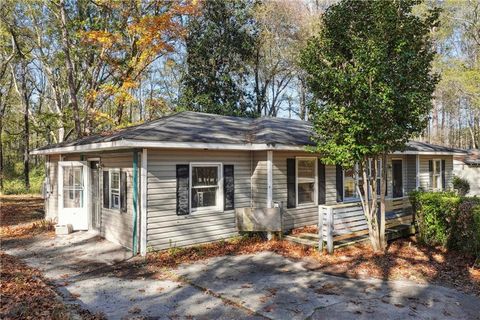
[(447, 219), (15, 185), (461, 185)]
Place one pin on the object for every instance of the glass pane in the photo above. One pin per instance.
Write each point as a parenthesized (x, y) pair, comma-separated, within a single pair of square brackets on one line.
[(72, 177), (306, 193), (115, 201), (204, 197), (115, 180), (72, 198), (306, 168), (437, 167), (204, 176), (349, 186)]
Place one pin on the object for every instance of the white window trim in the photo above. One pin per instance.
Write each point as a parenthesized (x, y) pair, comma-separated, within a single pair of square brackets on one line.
[(356, 179), (315, 191), (439, 175), (110, 194), (219, 195)]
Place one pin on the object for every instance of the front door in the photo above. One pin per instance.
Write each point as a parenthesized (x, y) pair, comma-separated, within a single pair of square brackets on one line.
[(397, 174), (73, 196), (95, 203)]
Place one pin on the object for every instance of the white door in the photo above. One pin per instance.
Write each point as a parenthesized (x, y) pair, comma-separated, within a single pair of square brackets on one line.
[(73, 195)]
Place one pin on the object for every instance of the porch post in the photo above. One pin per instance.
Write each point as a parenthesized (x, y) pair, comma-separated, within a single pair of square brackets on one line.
[(330, 230), (417, 164), (135, 201), (269, 179), (269, 185), (143, 204)]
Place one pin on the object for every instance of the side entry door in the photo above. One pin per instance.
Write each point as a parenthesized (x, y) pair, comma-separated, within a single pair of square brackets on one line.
[(73, 194)]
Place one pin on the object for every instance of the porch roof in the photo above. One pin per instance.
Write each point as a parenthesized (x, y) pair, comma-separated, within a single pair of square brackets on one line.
[(195, 130)]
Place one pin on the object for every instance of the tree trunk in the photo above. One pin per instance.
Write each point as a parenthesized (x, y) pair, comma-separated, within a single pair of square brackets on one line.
[(26, 132), (70, 70)]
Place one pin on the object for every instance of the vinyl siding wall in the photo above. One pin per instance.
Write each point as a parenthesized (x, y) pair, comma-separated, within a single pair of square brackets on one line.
[(51, 203), (425, 173), (116, 226), (302, 215), (164, 228)]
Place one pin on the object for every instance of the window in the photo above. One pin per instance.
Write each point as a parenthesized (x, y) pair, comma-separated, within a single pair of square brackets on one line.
[(205, 191), (350, 180), (436, 178), (114, 189), (72, 187), (306, 180)]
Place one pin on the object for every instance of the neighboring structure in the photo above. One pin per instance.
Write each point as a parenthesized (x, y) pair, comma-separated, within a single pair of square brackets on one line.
[(468, 167), (177, 181)]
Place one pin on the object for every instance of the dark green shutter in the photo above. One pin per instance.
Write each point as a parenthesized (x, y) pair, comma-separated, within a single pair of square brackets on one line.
[(321, 183), (228, 187), (106, 190), (183, 201), (444, 180), (430, 173), (291, 190), (123, 191), (339, 182)]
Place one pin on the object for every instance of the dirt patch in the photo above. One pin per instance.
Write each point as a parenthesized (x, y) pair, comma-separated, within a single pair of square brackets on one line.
[(405, 259), (23, 216)]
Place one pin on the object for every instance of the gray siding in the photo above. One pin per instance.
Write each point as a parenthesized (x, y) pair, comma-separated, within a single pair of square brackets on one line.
[(302, 215), (411, 174), (164, 228), (51, 203), (425, 174), (259, 179)]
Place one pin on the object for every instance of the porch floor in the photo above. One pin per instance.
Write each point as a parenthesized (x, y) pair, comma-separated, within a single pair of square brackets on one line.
[(309, 237)]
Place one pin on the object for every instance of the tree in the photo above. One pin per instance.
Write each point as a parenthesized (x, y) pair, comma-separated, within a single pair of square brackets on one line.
[(220, 45), (369, 67)]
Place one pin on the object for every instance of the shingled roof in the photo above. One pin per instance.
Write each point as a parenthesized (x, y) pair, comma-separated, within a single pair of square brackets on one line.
[(194, 128)]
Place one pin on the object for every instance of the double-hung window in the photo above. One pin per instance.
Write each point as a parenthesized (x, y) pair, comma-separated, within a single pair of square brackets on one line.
[(205, 187), (306, 181), (350, 181), (115, 189), (436, 177)]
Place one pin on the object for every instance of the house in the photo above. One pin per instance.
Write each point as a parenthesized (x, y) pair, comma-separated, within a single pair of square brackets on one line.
[(467, 166), (179, 180)]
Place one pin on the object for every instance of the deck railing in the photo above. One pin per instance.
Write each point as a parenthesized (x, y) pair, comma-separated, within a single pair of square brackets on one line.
[(344, 221)]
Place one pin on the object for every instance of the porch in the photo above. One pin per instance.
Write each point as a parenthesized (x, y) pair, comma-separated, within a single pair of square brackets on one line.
[(344, 224)]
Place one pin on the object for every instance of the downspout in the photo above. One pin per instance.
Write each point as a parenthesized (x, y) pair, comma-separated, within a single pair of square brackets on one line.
[(135, 200)]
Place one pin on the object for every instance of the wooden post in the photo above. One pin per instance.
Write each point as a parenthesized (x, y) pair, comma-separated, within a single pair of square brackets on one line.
[(330, 230), (320, 228)]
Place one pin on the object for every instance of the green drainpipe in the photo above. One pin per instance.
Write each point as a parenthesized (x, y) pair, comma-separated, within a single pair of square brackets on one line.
[(135, 200)]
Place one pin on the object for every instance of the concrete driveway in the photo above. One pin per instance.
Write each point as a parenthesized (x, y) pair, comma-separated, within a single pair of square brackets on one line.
[(263, 285)]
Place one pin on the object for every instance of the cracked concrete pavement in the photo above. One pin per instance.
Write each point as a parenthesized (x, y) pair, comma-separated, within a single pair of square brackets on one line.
[(263, 285)]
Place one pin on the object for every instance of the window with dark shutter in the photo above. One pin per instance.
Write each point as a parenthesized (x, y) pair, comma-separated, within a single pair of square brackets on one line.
[(106, 191), (444, 180), (123, 191), (228, 187), (291, 190), (321, 183), (182, 189), (339, 182)]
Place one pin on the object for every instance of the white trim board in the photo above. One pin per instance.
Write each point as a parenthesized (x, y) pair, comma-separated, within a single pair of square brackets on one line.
[(128, 144)]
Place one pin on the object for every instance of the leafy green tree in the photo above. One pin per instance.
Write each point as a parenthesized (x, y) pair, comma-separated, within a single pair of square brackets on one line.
[(220, 45), (370, 70)]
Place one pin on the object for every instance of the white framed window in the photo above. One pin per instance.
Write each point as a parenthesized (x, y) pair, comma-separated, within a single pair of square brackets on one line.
[(114, 188), (206, 187), (436, 179), (350, 182), (352, 178), (306, 181)]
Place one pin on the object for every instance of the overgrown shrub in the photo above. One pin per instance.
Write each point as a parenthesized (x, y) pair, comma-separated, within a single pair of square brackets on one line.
[(15, 183), (461, 185), (447, 219)]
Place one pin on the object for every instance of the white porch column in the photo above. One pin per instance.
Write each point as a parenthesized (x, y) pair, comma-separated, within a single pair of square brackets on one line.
[(417, 163), (143, 203), (269, 179)]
